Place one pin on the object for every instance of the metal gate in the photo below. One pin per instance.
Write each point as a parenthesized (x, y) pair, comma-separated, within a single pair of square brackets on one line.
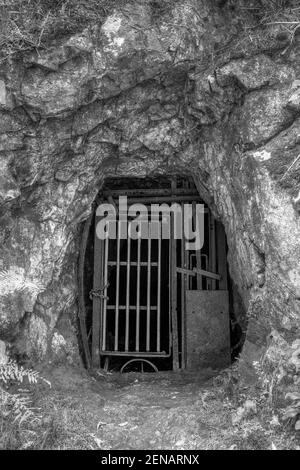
[(140, 286)]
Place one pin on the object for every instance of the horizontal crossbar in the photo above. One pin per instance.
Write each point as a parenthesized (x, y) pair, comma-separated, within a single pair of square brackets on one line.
[(131, 307), (193, 272), (134, 353), (131, 263)]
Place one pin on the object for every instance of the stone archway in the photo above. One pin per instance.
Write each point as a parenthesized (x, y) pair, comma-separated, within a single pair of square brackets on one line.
[(86, 109), (142, 186)]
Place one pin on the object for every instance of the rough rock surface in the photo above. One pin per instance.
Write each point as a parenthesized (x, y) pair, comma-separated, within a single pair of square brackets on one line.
[(140, 95)]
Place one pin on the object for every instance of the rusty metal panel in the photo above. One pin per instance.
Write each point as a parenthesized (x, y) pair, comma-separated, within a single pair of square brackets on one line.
[(208, 335)]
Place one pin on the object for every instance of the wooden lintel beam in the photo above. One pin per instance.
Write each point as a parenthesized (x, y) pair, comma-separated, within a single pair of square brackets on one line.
[(149, 192), (162, 199)]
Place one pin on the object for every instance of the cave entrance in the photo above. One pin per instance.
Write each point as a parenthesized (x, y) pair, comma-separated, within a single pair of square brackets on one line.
[(157, 305)]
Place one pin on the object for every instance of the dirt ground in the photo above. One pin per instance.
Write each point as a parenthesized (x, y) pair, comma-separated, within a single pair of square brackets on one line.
[(165, 410)]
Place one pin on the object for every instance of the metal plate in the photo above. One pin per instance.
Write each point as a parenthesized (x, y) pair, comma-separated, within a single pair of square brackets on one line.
[(208, 333)]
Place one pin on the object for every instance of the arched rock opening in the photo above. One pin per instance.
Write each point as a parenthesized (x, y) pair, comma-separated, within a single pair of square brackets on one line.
[(143, 299)]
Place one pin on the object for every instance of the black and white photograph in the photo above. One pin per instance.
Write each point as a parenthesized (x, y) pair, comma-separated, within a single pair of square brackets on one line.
[(149, 228)]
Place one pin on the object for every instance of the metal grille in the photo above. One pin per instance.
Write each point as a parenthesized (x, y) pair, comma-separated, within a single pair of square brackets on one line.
[(131, 326), (140, 286)]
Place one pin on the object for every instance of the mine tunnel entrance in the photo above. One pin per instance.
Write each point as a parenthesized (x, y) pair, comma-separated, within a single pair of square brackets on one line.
[(155, 282)]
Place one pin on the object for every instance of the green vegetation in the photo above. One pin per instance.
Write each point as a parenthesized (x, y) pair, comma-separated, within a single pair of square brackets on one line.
[(20, 420), (31, 24), (276, 14)]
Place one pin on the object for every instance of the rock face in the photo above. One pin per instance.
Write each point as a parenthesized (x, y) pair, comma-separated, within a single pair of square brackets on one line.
[(136, 96)]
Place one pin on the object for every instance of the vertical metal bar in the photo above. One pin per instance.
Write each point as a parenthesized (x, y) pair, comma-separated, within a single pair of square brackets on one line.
[(158, 287), (222, 256), (102, 254), (190, 279), (148, 295), (211, 283), (104, 315), (170, 294), (97, 302), (208, 280), (174, 297), (137, 326), (184, 285), (213, 251), (205, 267), (117, 290), (127, 295), (81, 297), (198, 252)]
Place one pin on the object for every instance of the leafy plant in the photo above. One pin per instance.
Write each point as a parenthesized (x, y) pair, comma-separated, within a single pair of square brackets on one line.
[(27, 25), (11, 371), (278, 370), (16, 409), (292, 412), (15, 279)]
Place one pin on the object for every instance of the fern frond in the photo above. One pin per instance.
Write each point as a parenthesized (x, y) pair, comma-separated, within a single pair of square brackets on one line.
[(17, 406), (14, 279), (11, 371)]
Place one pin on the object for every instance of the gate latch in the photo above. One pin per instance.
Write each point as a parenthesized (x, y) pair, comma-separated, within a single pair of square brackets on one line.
[(99, 293)]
